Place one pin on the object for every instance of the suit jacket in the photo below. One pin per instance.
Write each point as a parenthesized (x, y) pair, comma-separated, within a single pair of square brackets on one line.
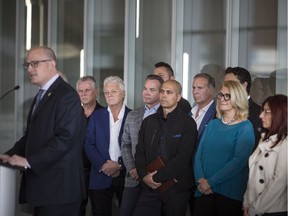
[(52, 146), (129, 142), (254, 113), (97, 147), (209, 115), (86, 162)]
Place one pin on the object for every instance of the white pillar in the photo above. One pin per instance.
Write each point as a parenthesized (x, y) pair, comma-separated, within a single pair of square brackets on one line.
[(7, 191)]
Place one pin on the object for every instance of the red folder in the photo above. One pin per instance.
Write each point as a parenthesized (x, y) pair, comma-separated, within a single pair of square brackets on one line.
[(158, 164)]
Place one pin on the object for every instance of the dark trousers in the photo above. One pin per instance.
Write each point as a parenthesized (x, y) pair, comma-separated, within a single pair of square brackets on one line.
[(217, 205), (170, 203), (70, 209), (192, 202), (130, 200), (82, 211), (101, 200)]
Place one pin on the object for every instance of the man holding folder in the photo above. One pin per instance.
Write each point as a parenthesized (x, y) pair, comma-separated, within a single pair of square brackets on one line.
[(167, 137)]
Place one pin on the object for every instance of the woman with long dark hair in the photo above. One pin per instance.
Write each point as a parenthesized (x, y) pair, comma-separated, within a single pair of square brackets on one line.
[(266, 192)]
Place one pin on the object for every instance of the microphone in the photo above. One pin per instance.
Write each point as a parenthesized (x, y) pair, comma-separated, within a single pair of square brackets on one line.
[(15, 88)]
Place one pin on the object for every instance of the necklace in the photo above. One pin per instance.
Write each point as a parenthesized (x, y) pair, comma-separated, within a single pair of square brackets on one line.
[(228, 122)]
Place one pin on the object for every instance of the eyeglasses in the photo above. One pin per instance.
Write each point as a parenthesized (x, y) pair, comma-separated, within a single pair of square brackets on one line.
[(33, 64), (266, 112), (226, 96)]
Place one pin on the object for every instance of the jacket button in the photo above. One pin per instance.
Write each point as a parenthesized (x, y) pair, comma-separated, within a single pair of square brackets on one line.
[(261, 181), (266, 155), (261, 167)]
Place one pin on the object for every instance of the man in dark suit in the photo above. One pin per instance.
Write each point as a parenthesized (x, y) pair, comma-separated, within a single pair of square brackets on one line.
[(87, 89), (203, 89), (243, 76), (102, 146), (165, 71), (50, 150)]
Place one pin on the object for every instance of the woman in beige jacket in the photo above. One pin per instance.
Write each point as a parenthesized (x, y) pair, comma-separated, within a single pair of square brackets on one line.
[(266, 192)]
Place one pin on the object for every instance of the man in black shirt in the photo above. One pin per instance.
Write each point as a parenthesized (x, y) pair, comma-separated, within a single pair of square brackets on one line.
[(87, 91), (171, 135), (165, 71)]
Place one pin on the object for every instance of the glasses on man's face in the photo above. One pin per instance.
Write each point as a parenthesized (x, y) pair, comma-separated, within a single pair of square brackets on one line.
[(33, 64), (266, 111), (226, 96)]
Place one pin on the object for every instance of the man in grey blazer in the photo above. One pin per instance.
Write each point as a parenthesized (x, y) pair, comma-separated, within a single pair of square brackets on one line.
[(150, 95)]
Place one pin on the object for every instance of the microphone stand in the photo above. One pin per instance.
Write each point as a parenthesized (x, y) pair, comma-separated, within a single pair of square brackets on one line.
[(15, 88)]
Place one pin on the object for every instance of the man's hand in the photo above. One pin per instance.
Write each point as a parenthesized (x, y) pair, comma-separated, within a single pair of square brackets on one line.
[(133, 174), (246, 210), (4, 158), (111, 168), (15, 160), (148, 179)]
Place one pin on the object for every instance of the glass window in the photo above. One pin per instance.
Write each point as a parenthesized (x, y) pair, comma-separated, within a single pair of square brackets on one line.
[(104, 41), (153, 41), (7, 75), (262, 25), (68, 41), (204, 39)]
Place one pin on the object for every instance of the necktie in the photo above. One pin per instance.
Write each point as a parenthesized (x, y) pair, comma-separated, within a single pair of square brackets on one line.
[(38, 99)]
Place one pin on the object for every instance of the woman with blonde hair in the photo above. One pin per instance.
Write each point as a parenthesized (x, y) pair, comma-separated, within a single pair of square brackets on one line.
[(221, 161), (266, 192)]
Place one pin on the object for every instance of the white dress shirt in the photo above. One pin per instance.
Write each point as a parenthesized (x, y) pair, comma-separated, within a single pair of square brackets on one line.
[(201, 113), (114, 147)]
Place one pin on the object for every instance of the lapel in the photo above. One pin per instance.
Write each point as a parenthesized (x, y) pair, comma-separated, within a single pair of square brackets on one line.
[(140, 115), (48, 94), (106, 124), (210, 114), (127, 110)]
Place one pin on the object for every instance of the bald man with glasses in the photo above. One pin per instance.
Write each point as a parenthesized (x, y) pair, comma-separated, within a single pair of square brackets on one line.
[(50, 150)]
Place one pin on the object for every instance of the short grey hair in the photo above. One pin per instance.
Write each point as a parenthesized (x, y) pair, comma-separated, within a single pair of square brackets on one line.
[(87, 78), (115, 79)]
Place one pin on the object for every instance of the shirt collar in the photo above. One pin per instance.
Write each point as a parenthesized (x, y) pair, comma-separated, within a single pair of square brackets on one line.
[(50, 82), (121, 113), (155, 108), (204, 109)]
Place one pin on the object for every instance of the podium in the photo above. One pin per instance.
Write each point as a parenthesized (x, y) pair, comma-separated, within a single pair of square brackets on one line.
[(7, 189)]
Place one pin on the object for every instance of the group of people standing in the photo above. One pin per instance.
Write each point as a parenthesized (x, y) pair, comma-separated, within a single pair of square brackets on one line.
[(157, 159)]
